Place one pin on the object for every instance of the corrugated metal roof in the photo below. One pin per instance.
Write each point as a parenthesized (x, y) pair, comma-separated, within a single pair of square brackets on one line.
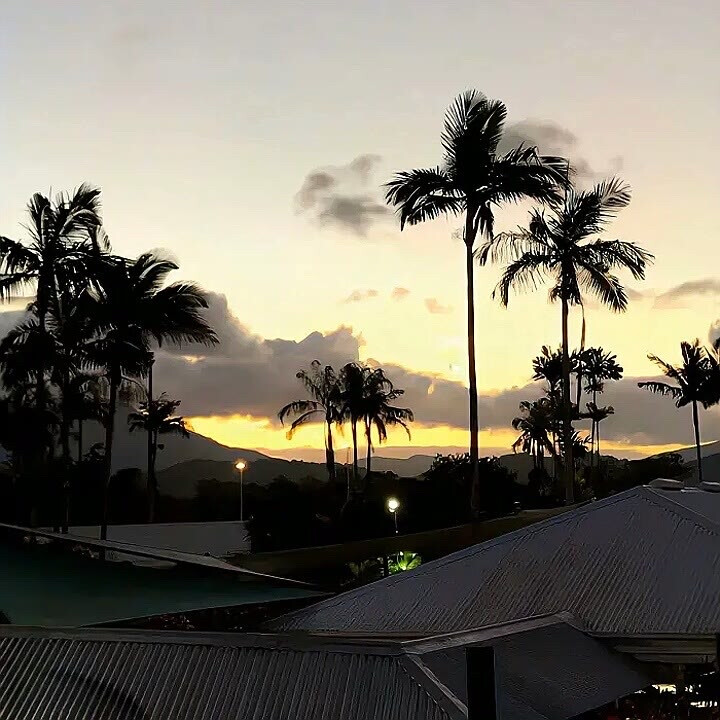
[(547, 670), (40, 585), (643, 561), (91, 679)]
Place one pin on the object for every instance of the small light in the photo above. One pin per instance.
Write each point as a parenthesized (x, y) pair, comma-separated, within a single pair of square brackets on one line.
[(240, 465), (393, 504)]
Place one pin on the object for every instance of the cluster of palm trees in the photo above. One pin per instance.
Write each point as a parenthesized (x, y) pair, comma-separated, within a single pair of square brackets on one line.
[(356, 395), (540, 422), (88, 334), (696, 381), (560, 244)]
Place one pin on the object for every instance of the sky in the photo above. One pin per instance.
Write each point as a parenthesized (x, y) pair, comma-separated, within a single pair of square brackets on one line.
[(250, 141)]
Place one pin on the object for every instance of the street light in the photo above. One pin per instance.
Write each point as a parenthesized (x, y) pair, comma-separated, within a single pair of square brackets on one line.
[(240, 466), (393, 504)]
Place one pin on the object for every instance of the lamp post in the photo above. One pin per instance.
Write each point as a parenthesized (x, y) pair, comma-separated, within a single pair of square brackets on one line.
[(240, 466), (393, 504)]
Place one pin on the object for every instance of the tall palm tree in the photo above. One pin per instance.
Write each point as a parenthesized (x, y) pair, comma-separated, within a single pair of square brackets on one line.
[(596, 415), (473, 180), (380, 413), (54, 257), (696, 382), (599, 367), (322, 385), (131, 306), (353, 382), (156, 417), (562, 247), (536, 425)]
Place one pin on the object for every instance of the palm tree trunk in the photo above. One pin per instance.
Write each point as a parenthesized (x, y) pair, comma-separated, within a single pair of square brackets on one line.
[(597, 444), (330, 453), (65, 444), (696, 428), (151, 483), (568, 467), (368, 431), (80, 441), (355, 452), (107, 460), (470, 233)]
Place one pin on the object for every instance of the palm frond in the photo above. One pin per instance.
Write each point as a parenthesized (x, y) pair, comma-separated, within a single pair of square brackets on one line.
[(605, 286), (424, 194), (660, 388), (523, 274)]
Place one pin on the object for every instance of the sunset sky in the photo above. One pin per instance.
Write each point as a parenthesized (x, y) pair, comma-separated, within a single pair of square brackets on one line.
[(203, 123)]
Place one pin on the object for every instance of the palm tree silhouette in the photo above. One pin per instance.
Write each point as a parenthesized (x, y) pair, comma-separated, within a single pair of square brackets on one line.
[(696, 381), (322, 385), (130, 306), (379, 412), (156, 416), (353, 380), (596, 415), (473, 180), (558, 247), (536, 424), (54, 258)]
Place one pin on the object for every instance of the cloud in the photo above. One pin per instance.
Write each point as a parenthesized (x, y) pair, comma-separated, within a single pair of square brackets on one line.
[(339, 196), (679, 296), (360, 295), (435, 308), (714, 332), (551, 139), (399, 293)]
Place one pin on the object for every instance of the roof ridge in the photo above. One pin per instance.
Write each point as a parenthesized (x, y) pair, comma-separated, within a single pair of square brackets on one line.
[(463, 553), (672, 505)]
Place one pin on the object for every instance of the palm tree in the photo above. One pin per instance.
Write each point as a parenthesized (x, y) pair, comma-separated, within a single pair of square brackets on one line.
[(353, 381), (474, 179), (379, 412), (156, 417), (696, 381), (536, 424), (596, 415), (560, 247), (548, 367), (55, 257), (599, 366), (322, 385), (130, 307)]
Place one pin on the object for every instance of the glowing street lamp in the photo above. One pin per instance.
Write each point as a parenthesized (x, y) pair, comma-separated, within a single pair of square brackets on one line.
[(240, 466), (393, 504)]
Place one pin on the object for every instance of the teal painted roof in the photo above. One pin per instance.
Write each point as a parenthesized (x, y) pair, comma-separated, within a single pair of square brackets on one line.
[(51, 586)]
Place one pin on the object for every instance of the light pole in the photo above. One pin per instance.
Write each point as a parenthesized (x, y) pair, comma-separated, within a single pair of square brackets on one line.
[(393, 504), (240, 465)]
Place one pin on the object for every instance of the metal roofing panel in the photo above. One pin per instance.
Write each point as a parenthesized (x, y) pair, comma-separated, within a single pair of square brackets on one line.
[(51, 677), (41, 586), (555, 672), (638, 562)]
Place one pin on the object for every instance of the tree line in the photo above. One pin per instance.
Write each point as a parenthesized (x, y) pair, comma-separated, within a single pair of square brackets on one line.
[(86, 342)]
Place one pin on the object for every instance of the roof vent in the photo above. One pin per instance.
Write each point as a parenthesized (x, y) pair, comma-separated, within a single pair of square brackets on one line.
[(666, 484), (710, 486)]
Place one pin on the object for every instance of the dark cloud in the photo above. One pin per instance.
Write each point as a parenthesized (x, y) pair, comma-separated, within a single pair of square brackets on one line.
[(339, 196), (714, 332), (399, 293), (551, 139), (435, 308), (360, 295), (678, 296)]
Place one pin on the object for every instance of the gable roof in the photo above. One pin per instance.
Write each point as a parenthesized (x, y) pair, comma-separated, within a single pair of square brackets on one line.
[(641, 562), (144, 675), (49, 585)]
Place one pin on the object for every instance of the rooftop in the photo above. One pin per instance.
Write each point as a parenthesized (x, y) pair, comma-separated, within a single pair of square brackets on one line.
[(643, 562)]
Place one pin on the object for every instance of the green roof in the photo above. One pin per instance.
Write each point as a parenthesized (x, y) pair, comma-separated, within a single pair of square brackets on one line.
[(52, 587)]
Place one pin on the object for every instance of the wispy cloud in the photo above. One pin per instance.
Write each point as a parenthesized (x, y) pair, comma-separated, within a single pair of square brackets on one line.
[(679, 296), (360, 295), (340, 196), (399, 293), (434, 307)]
